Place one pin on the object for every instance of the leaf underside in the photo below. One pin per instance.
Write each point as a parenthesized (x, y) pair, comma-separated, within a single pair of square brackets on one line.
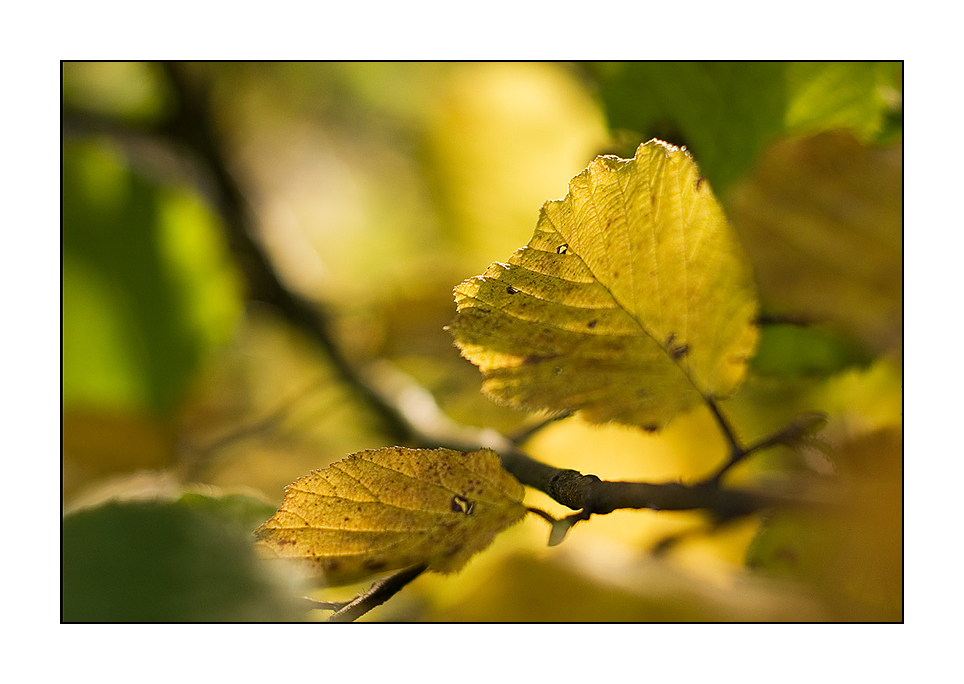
[(631, 302), (392, 508)]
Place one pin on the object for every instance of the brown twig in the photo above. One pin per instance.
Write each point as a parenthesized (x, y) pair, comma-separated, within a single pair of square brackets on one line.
[(380, 591), (193, 127)]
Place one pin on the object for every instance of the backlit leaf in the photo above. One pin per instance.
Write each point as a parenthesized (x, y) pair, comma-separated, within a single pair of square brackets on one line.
[(630, 302), (393, 508)]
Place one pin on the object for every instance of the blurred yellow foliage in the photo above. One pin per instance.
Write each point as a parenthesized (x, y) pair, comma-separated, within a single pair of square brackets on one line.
[(503, 138), (821, 219)]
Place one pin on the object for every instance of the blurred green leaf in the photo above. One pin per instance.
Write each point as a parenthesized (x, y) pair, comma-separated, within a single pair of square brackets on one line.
[(167, 562), (726, 112), (860, 96), (147, 286), (792, 350), (247, 512)]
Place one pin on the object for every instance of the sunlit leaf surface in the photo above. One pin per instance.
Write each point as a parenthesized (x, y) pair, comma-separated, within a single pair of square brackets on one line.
[(392, 508), (631, 301)]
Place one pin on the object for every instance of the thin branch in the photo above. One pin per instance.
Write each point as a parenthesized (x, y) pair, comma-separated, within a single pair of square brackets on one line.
[(193, 127), (798, 320), (736, 450), (524, 432), (199, 457), (585, 493), (315, 604), (380, 591), (801, 427)]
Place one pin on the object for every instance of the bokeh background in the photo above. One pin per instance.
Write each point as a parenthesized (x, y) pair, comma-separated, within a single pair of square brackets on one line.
[(192, 395)]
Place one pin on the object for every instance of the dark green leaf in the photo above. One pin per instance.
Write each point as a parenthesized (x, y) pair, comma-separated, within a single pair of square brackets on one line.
[(791, 350), (166, 562), (725, 112)]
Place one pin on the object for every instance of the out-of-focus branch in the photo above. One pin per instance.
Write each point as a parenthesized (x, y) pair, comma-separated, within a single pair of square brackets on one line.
[(190, 132), (193, 127)]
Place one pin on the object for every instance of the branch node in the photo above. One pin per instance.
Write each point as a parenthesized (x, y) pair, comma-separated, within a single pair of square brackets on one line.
[(571, 488)]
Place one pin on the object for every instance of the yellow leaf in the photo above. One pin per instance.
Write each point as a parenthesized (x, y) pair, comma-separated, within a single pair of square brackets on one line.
[(631, 301), (393, 508)]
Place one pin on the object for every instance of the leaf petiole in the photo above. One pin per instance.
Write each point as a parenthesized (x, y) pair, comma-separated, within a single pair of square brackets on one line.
[(797, 430), (560, 527), (736, 451)]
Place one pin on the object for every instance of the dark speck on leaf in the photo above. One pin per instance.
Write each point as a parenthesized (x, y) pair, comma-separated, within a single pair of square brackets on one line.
[(680, 351), (561, 249), (511, 290), (591, 324), (462, 505)]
